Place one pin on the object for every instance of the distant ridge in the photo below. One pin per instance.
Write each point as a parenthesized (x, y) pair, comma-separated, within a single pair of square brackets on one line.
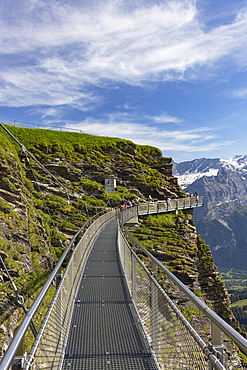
[(223, 220)]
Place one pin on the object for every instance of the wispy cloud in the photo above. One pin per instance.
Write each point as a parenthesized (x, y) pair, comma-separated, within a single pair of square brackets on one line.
[(194, 140), (165, 118), (52, 52), (241, 93)]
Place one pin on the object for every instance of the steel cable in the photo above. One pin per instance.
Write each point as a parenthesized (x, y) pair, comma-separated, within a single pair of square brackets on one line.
[(20, 299), (47, 208)]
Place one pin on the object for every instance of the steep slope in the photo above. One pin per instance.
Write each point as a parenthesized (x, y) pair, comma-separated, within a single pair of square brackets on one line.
[(223, 219)]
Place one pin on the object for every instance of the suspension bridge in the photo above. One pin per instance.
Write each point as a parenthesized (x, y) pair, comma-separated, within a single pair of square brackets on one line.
[(110, 312)]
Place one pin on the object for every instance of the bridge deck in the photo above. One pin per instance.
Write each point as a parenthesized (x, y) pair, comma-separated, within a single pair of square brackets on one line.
[(105, 332)]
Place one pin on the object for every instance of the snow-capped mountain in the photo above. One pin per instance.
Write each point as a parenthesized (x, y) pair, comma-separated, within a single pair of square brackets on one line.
[(190, 171), (223, 220)]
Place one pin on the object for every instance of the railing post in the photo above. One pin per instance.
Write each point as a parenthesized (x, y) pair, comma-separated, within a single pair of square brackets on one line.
[(17, 362), (126, 264), (216, 344), (58, 277), (126, 258), (154, 313), (133, 273)]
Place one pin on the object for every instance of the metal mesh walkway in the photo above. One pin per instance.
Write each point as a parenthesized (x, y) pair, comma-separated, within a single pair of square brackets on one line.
[(105, 332)]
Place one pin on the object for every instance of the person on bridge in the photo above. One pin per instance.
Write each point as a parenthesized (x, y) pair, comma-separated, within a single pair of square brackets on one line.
[(128, 203), (122, 205)]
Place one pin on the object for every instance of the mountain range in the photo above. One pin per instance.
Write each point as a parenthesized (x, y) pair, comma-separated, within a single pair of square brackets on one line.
[(223, 220)]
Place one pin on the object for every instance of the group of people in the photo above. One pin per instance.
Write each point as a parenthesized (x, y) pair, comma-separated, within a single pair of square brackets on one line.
[(127, 204), (191, 195)]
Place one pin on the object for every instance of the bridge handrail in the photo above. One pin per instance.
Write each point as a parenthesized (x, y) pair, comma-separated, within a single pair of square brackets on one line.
[(162, 206), (13, 348), (155, 319), (218, 321)]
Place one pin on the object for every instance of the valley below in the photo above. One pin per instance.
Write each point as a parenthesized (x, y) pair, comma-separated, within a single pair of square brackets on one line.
[(236, 284)]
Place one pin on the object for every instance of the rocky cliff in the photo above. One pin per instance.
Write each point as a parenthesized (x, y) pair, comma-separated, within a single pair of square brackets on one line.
[(32, 203)]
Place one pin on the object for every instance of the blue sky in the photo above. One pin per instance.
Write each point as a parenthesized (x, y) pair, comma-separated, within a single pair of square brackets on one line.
[(172, 74)]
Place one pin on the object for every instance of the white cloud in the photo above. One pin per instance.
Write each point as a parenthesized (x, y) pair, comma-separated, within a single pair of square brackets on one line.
[(54, 50), (165, 118), (241, 93)]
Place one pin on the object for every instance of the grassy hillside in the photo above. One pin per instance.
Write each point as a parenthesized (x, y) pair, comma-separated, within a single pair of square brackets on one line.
[(75, 146)]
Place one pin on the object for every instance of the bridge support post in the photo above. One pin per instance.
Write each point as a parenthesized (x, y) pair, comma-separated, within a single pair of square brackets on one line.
[(217, 347), (154, 313)]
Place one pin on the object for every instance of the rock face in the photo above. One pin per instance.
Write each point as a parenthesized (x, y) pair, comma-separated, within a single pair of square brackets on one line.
[(29, 243), (222, 220)]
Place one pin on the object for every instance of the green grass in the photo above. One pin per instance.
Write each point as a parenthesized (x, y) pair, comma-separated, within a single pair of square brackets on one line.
[(76, 146), (240, 303), (234, 279), (238, 287)]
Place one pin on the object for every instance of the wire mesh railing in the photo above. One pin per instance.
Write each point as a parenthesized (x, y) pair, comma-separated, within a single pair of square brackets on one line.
[(174, 342), (170, 205), (161, 206), (47, 348), (169, 316)]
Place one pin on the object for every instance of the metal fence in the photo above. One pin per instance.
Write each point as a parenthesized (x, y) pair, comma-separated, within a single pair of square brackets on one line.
[(47, 350), (165, 327), (24, 124), (161, 206), (168, 315), (170, 205)]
